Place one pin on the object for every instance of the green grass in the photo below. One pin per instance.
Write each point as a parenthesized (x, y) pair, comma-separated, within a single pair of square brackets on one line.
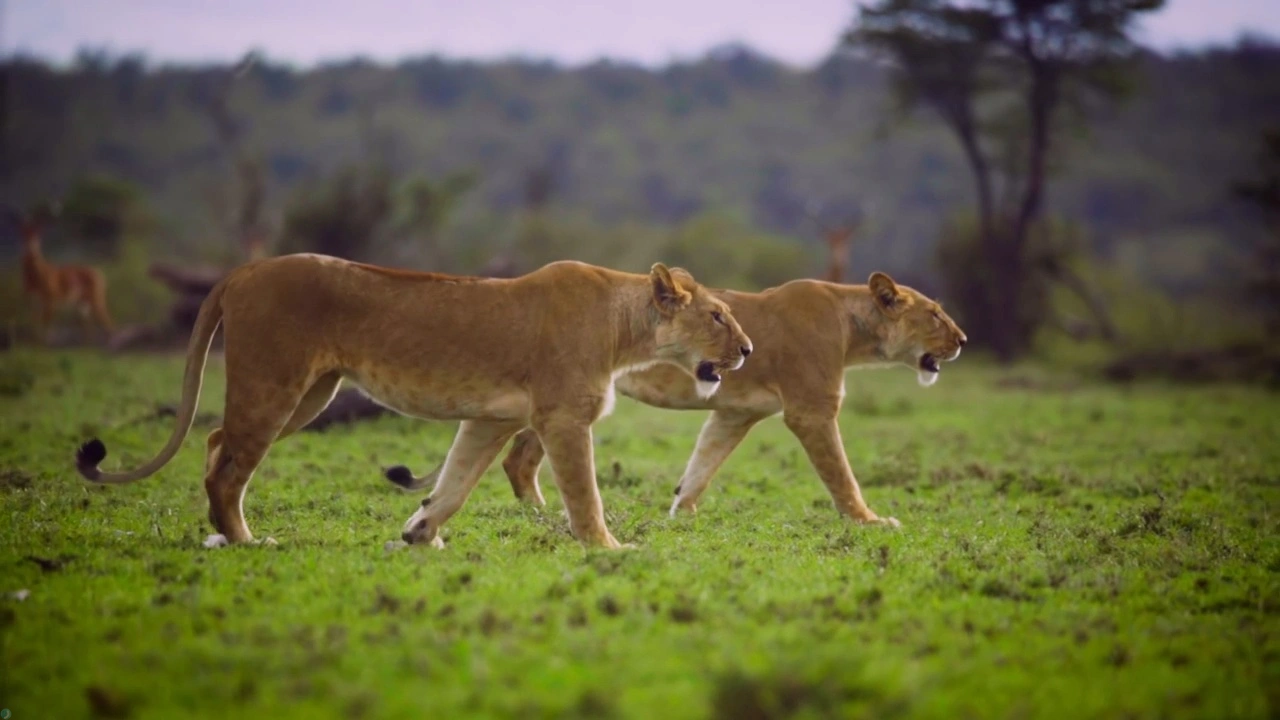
[(1067, 550)]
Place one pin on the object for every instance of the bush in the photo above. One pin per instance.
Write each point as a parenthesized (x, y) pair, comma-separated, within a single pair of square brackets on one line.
[(98, 210), (340, 216), (724, 252)]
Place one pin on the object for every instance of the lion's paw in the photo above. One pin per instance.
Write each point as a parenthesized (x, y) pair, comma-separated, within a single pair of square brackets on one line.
[(883, 522), (678, 507), (216, 541)]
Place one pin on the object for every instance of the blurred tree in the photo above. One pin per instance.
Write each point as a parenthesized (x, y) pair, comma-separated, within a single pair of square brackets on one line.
[(246, 216), (98, 210), (722, 251), (361, 207), (1263, 280), (341, 215), (1025, 57), (421, 207)]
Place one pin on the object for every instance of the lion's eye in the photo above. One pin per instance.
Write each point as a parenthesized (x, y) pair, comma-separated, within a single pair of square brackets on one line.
[(937, 320), (717, 317)]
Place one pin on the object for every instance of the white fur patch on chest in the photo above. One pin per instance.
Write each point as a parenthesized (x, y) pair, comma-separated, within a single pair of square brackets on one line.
[(611, 393)]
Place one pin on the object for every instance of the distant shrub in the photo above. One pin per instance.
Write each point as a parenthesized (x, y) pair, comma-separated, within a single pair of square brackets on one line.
[(98, 210), (723, 251)]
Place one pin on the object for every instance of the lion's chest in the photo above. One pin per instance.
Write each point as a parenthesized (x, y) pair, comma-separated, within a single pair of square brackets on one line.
[(442, 399)]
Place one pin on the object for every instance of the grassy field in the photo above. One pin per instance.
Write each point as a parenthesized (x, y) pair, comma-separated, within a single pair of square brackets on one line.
[(1067, 550)]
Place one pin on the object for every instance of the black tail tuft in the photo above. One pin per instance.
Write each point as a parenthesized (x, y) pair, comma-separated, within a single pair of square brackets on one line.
[(399, 475), (89, 457)]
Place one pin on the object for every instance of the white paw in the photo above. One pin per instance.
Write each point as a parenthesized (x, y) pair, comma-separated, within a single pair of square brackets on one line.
[(889, 522), (270, 541), (676, 508), (215, 541), (438, 543)]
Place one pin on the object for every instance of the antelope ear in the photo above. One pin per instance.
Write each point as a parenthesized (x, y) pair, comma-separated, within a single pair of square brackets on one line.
[(668, 294), (885, 291)]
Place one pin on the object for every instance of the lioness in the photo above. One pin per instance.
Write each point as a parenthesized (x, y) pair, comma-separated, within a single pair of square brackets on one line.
[(542, 350), (809, 332)]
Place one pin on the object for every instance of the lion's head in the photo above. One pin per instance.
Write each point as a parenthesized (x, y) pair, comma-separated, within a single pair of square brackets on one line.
[(918, 332), (695, 330)]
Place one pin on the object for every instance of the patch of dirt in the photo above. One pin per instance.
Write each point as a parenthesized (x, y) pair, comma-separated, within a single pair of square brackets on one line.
[(738, 696), (107, 703), (14, 480)]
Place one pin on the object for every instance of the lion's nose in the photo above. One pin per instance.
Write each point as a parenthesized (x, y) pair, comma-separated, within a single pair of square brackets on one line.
[(746, 350)]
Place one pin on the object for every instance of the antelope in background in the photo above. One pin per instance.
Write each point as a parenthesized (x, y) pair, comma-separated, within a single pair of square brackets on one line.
[(839, 238), (54, 287)]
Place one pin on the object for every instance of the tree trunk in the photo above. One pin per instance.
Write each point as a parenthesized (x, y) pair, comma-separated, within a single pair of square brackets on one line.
[(1004, 267), (1009, 267)]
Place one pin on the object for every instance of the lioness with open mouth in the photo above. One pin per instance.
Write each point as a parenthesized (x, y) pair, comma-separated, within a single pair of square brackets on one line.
[(808, 332), (541, 351)]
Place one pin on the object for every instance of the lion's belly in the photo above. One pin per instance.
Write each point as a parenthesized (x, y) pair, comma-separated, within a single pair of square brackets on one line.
[(429, 400)]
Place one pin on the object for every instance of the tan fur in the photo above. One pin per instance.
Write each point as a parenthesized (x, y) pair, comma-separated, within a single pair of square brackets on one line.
[(54, 287), (500, 355), (808, 332)]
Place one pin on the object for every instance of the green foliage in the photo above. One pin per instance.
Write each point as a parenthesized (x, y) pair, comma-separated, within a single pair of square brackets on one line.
[(98, 210), (727, 133), (1262, 276), (723, 251), (132, 295), (1068, 549), (341, 215), (362, 208), (422, 206)]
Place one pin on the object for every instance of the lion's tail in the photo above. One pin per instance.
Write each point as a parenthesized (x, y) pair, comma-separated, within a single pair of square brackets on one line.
[(92, 453)]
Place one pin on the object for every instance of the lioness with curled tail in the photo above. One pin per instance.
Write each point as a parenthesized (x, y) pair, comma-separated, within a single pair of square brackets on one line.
[(808, 333), (539, 351)]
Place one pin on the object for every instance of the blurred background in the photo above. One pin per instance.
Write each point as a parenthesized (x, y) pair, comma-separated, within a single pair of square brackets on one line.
[(1092, 181)]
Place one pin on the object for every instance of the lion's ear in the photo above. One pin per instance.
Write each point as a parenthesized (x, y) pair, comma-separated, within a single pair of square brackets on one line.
[(885, 291), (668, 294)]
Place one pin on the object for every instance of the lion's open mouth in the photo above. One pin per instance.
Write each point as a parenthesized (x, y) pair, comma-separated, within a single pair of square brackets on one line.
[(927, 370), (706, 372)]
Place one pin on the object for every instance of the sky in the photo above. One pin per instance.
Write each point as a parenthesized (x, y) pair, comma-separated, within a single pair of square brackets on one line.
[(572, 32)]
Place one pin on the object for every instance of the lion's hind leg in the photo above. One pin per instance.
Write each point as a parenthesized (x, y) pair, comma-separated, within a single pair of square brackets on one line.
[(521, 466), (258, 410)]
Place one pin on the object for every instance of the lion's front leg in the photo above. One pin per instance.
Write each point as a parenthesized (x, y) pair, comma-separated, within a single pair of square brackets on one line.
[(567, 441), (820, 436), (474, 448), (720, 435)]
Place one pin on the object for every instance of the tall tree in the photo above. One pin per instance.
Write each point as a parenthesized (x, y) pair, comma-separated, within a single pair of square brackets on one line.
[(997, 72), (1262, 283)]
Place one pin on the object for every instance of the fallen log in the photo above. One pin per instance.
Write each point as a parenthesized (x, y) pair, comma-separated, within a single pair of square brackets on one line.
[(348, 406)]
